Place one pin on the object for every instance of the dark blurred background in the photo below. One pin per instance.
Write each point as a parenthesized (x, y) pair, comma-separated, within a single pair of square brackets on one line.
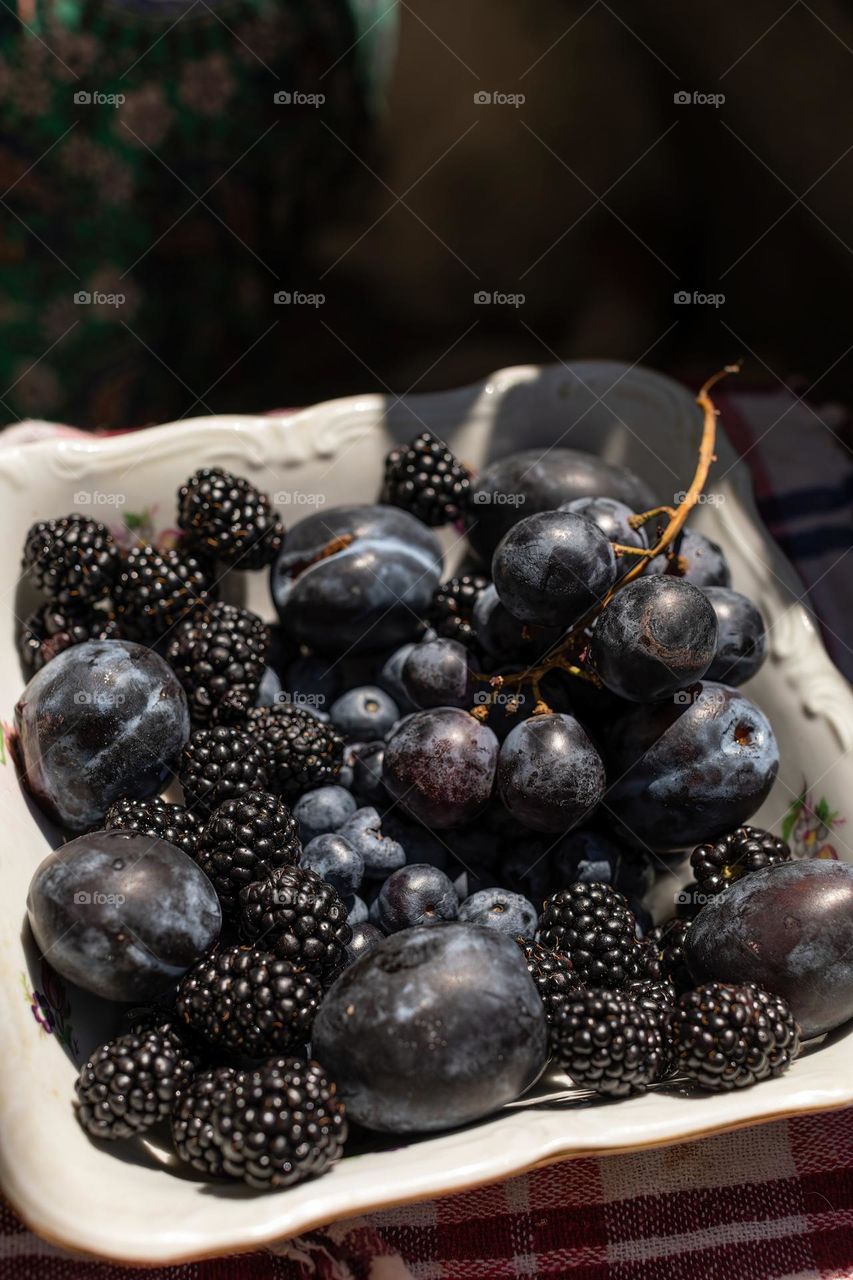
[(625, 154)]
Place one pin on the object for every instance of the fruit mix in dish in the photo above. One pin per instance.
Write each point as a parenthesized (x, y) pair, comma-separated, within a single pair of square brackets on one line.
[(378, 864)]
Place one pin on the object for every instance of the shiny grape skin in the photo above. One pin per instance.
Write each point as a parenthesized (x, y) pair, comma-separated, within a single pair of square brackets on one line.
[(501, 635), (741, 637), (523, 484), (437, 673), (689, 770), (550, 776), (705, 564), (553, 567), (655, 636), (417, 894), (613, 519), (367, 595), (440, 766)]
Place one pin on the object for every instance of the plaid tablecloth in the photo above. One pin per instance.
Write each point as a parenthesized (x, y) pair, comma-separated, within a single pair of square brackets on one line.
[(767, 1203)]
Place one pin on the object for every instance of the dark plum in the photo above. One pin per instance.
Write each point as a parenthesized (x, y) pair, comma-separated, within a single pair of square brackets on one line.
[(690, 770), (551, 568), (655, 636), (700, 561), (355, 578), (417, 1035), (104, 720), (121, 914), (741, 637), (365, 713), (523, 484), (502, 635), (416, 894), (500, 909), (323, 809), (336, 861), (440, 766), (437, 673), (789, 929), (614, 520), (550, 776)]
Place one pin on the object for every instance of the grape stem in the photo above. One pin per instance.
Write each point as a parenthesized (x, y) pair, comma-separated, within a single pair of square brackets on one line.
[(565, 656)]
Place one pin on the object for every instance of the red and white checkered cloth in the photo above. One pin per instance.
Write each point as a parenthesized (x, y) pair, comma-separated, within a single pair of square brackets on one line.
[(769, 1203)]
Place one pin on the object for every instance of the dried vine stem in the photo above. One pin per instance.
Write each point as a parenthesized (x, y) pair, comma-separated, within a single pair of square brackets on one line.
[(566, 656)]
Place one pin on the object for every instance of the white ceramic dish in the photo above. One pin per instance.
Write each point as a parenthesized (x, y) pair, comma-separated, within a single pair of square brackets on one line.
[(126, 1204)]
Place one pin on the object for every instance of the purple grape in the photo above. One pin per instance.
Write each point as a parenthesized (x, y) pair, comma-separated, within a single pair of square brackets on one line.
[(551, 568), (437, 673), (613, 519), (440, 765), (390, 677), (550, 776), (704, 563), (365, 938), (741, 637), (365, 760), (501, 635)]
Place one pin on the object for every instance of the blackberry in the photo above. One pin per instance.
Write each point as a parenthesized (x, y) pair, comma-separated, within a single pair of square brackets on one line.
[(273, 1126), (302, 752), (227, 517), (665, 953), (219, 656), (157, 589), (452, 607), (52, 628), (299, 917), (196, 1116), (73, 560), (593, 925), (735, 855), (220, 764), (727, 1037), (425, 479), (245, 1001), (555, 978), (170, 822), (130, 1083), (245, 839), (657, 999), (607, 1042)]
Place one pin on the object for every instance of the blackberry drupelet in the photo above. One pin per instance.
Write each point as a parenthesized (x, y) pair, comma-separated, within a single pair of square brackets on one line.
[(302, 752), (555, 978), (156, 589), (73, 560), (270, 1127), (219, 657), (245, 1001), (734, 855), (246, 839), (453, 606), (130, 1083), (593, 925), (665, 954), (170, 822), (425, 479), (657, 999), (607, 1042), (728, 1037), (52, 628), (196, 1116), (227, 517), (219, 764), (300, 918)]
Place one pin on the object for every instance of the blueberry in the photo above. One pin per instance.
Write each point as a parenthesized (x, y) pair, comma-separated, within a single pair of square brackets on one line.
[(500, 909), (355, 578), (591, 858), (614, 520), (741, 637), (365, 938), (550, 776), (322, 810), (701, 562), (437, 673), (655, 636), (104, 720), (357, 911), (419, 843), (440, 765), (550, 569), (390, 677), (121, 914), (336, 860), (416, 894), (435, 1028), (380, 853), (366, 713)]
